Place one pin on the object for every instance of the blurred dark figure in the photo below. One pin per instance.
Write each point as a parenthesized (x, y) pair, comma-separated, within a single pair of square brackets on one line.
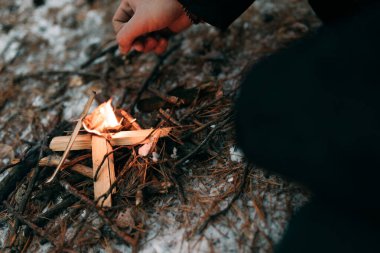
[(310, 112)]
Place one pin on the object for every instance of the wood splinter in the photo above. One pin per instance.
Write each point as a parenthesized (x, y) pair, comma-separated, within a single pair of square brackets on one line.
[(102, 151)]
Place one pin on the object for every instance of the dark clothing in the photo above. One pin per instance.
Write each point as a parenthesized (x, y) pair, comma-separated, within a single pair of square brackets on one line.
[(317, 228), (221, 13), (331, 10), (311, 112)]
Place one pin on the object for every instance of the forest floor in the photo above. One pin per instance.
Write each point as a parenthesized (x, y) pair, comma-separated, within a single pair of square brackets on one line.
[(195, 192)]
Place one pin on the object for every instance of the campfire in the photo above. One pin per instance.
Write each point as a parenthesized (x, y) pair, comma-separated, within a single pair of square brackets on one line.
[(105, 128)]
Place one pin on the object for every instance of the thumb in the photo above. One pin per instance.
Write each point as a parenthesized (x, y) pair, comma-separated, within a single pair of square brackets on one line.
[(130, 31)]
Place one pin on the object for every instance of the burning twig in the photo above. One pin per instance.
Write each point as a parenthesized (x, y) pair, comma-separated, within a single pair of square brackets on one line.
[(102, 120)]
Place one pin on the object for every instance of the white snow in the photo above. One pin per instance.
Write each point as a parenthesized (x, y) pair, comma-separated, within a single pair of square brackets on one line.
[(155, 157), (236, 154), (174, 154)]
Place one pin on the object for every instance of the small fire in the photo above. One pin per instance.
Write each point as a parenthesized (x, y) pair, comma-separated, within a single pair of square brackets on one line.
[(102, 120)]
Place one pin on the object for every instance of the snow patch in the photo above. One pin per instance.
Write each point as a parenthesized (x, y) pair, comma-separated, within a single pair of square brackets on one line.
[(236, 154), (174, 154)]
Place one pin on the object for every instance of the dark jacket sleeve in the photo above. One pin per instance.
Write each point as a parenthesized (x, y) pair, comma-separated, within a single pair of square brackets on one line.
[(219, 13), (330, 10), (311, 111)]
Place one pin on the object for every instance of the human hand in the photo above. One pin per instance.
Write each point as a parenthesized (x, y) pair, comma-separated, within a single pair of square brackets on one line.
[(138, 22)]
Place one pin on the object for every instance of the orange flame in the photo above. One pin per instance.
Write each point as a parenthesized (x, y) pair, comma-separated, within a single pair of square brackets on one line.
[(102, 119)]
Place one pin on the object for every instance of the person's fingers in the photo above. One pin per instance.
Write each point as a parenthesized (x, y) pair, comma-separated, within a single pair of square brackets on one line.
[(130, 31), (181, 23), (122, 15), (161, 47), (150, 44), (138, 45)]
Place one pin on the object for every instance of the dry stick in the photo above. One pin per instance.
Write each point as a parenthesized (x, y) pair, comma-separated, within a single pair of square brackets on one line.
[(167, 117), (227, 208), (90, 204), (152, 77), (131, 120), (77, 160), (52, 161), (73, 135), (122, 138), (31, 225)]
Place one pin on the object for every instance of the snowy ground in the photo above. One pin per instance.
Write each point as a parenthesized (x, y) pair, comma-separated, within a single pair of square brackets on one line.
[(63, 34)]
